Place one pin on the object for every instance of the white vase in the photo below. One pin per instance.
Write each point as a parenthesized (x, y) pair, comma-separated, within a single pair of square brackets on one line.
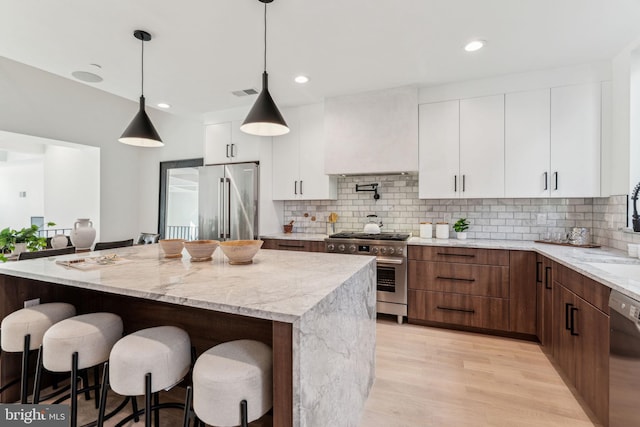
[(83, 233), (19, 248), (59, 241), (461, 235)]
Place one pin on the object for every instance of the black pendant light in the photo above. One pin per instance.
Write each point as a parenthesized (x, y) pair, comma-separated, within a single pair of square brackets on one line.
[(140, 131), (265, 119)]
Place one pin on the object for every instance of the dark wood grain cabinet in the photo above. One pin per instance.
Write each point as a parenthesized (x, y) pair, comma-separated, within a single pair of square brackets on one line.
[(293, 245), (581, 336), (544, 299)]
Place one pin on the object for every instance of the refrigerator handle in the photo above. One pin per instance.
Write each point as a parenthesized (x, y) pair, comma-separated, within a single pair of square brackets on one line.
[(227, 229), (220, 208)]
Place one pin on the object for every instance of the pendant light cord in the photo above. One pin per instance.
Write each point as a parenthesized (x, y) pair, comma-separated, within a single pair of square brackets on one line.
[(265, 37), (142, 67)]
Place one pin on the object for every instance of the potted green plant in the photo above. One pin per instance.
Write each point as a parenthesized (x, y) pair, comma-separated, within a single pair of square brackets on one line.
[(460, 227), (16, 241)]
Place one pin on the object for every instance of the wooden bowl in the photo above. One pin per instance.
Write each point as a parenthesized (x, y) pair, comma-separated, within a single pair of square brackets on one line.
[(201, 250), (172, 248), (240, 251)]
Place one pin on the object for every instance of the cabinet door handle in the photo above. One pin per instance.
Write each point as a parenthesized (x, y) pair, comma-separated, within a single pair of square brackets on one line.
[(295, 187), (228, 150), (567, 323), (573, 321), (464, 255), (462, 310), (286, 245), (461, 279), (301, 193), (538, 274), (233, 146), (463, 183), (546, 181), (547, 270), (555, 176), (455, 183)]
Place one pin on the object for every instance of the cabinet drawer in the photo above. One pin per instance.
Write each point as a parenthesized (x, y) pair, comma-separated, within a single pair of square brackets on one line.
[(293, 245), (470, 279), (591, 291), (459, 255), (457, 309)]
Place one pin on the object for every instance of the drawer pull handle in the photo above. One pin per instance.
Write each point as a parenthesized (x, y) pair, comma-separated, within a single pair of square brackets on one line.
[(573, 321), (455, 278), (465, 255), (284, 245), (462, 310)]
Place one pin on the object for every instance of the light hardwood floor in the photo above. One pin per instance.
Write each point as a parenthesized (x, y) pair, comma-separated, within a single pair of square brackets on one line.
[(431, 377), (436, 377)]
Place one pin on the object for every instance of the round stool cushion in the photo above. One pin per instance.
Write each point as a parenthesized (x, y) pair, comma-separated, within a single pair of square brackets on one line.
[(91, 335), (33, 320), (228, 373), (164, 351)]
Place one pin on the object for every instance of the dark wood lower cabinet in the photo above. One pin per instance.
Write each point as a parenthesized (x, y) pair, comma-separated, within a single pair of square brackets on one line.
[(581, 348), (544, 300), (459, 309), (293, 245)]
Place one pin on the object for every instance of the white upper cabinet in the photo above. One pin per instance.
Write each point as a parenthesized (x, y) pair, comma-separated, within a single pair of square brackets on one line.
[(373, 132), (482, 147), (462, 148), (439, 150), (527, 143), (298, 170), (225, 143), (575, 141)]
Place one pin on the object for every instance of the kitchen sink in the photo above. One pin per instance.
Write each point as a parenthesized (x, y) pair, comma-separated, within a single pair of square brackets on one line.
[(631, 271)]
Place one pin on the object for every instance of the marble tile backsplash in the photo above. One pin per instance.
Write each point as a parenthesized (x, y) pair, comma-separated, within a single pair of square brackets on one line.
[(400, 210)]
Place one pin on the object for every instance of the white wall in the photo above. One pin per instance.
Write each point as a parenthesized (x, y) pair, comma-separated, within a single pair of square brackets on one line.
[(25, 175), (37, 103), (72, 185)]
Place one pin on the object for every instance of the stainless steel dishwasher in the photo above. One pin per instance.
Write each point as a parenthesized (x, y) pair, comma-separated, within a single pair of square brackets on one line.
[(624, 361)]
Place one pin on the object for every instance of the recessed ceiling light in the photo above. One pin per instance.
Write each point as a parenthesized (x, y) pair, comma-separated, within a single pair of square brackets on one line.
[(474, 45), (86, 76), (164, 105), (301, 79)]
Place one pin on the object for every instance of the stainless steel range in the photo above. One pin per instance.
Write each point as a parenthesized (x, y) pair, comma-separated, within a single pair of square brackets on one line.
[(390, 250)]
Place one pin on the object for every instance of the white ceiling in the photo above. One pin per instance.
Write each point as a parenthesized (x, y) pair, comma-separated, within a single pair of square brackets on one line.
[(204, 49)]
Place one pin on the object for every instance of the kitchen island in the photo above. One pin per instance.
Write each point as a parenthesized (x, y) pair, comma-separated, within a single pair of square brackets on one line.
[(317, 311)]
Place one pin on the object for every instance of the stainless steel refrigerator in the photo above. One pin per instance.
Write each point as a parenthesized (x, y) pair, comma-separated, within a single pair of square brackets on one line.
[(228, 201)]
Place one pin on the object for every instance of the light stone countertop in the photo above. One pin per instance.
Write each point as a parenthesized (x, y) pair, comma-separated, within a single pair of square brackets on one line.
[(279, 285), (296, 236), (578, 259)]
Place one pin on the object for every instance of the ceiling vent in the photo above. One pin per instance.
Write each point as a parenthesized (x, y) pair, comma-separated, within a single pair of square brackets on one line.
[(245, 92)]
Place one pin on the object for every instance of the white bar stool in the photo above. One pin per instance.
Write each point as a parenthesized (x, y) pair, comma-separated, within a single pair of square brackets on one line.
[(232, 383), (77, 343), (143, 363), (23, 330)]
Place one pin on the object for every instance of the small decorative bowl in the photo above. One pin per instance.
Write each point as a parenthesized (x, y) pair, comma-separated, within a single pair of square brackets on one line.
[(172, 248), (288, 228), (240, 251), (201, 250)]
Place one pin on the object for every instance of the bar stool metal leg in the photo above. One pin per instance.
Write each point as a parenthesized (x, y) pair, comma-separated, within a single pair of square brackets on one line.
[(74, 389), (187, 407), (25, 369), (147, 400), (156, 413), (243, 413), (36, 386)]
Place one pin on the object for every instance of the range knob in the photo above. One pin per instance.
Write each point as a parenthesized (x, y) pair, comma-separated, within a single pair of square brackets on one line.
[(383, 251), (352, 248), (331, 247), (391, 251), (399, 251), (375, 251), (341, 248)]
